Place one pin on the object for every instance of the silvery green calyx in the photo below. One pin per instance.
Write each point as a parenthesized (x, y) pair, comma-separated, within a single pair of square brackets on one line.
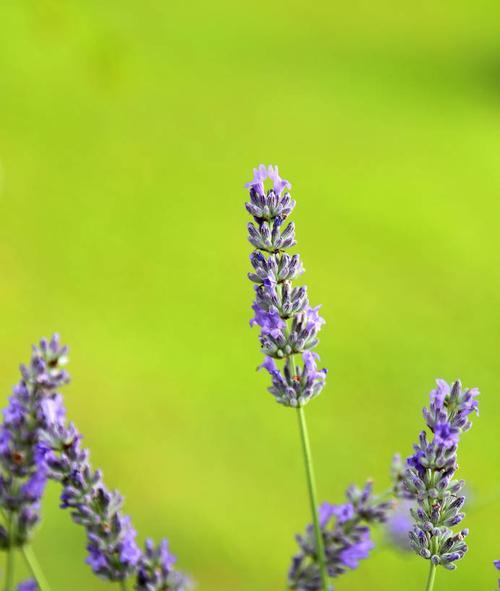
[(289, 325), (23, 472), (346, 536), (429, 476)]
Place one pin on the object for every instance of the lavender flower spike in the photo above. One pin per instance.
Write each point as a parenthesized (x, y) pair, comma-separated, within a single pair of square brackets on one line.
[(289, 326), (428, 476), (346, 536), (22, 470), (113, 553), (496, 563)]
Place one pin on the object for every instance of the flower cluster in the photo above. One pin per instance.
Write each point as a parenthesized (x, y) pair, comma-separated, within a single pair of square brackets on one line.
[(429, 473), (289, 325), (22, 470), (497, 566), (346, 537), (155, 571)]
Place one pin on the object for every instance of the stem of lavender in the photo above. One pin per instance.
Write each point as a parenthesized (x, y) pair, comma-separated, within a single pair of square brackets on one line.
[(9, 567), (35, 568), (311, 485), (431, 577)]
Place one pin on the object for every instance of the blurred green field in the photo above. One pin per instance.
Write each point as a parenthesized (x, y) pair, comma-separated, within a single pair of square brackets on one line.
[(126, 133)]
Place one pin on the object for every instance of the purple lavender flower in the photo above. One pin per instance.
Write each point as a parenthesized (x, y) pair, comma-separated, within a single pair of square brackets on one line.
[(289, 325), (113, 553), (28, 586), (22, 470), (399, 524), (496, 563), (428, 476), (346, 536), (156, 570)]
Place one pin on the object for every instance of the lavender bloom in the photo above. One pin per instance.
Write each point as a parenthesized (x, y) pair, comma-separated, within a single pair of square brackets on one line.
[(155, 570), (428, 476), (28, 586), (22, 470), (497, 566), (113, 553), (399, 524), (289, 325), (346, 536)]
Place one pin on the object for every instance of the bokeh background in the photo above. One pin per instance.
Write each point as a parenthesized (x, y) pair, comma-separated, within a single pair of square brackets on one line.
[(127, 130)]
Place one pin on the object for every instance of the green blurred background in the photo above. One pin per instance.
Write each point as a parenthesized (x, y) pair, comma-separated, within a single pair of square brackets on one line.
[(127, 130)]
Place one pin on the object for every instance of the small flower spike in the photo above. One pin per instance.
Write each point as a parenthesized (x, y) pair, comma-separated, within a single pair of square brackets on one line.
[(346, 536), (428, 476)]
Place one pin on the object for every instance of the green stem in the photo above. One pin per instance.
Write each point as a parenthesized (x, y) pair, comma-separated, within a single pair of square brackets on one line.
[(35, 568), (9, 567), (431, 577), (311, 486), (123, 585)]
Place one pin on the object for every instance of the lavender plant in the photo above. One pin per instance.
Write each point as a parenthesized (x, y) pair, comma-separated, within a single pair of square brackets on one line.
[(345, 530), (23, 473), (289, 326), (428, 477), (496, 563), (37, 443)]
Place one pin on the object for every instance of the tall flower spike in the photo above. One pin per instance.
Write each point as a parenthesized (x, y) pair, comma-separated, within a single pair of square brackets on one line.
[(289, 326), (346, 536), (22, 470), (429, 476), (113, 553)]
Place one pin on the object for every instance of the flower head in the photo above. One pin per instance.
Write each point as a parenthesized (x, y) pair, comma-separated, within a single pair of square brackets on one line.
[(346, 537), (289, 326), (428, 477)]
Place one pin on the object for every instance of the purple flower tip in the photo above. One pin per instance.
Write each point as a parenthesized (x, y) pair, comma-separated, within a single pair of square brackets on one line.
[(261, 173)]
